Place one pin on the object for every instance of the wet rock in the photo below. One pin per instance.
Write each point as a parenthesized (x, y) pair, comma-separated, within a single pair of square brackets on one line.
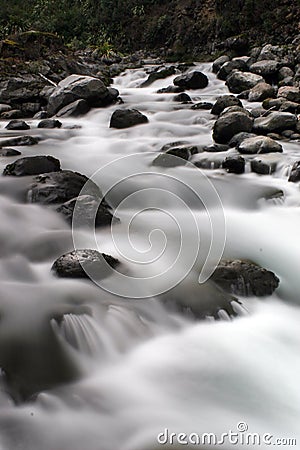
[(170, 90), (261, 167), (267, 68), (260, 92), (9, 152), (208, 163), (287, 133), (182, 98), (125, 118), (291, 107), (285, 72), (230, 124), (295, 173), (238, 82), (232, 109), (273, 103), (295, 137), (218, 63), (192, 80), (89, 211), (60, 187), (245, 278), (224, 102), (84, 264), (17, 125), (4, 108), (77, 87), (74, 109), (240, 137), (234, 164), (41, 115), (202, 105), (32, 165), (275, 122), (259, 144), (160, 74), (290, 93), (258, 112), (215, 148), (12, 114), (49, 123), (229, 67), (19, 141), (174, 157)]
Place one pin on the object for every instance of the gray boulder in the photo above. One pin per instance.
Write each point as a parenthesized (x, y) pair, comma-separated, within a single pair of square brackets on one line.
[(32, 165), (17, 125), (275, 122), (259, 144), (74, 109), (261, 167), (84, 264), (238, 82), (231, 66), (19, 141), (234, 164), (267, 68), (260, 92), (182, 98), (9, 152), (290, 93), (59, 187), (77, 87), (218, 63), (230, 124), (245, 278), (239, 137), (192, 80), (125, 118), (295, 173), (89, 211), (49, 123), (224, 102)]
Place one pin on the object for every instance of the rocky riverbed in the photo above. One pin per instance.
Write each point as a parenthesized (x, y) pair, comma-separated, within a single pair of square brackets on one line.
[(115, 198)]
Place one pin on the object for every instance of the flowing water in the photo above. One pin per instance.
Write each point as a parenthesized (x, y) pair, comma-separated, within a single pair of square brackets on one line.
[(134, 366)]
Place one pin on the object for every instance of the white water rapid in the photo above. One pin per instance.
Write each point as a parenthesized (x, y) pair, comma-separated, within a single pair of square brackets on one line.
[(138, 366)]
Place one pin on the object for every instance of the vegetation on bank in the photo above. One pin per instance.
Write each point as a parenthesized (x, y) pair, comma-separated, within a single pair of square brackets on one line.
[(128, 25)]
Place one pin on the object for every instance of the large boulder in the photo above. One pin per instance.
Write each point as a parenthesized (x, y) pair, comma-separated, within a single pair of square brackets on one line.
[(259, 144), (59, 187), (240, 137), (76, 87), (74, 109), (230, 66), (192, 80), (262, 167), (224, 102), (261, 92), (238, 81), (17, 125), (88, 211), (275, 123), (245, 278), (84, 264), (49, 123), (218, 63), (290, 93), (230, 124), (32, 165), (267, 68), (125, 118)]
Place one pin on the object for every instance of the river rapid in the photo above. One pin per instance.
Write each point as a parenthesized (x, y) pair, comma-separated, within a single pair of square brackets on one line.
[(143, 366)]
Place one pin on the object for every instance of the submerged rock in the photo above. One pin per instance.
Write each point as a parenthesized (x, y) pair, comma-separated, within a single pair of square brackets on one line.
[(19, 141), (89, 211), (230, 124), (174, 157), (84, 264), (182, 98), (125, 118), (17, 125), (59, 187), (245, 278), (32, 165), (9, 152), (192, 80)]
